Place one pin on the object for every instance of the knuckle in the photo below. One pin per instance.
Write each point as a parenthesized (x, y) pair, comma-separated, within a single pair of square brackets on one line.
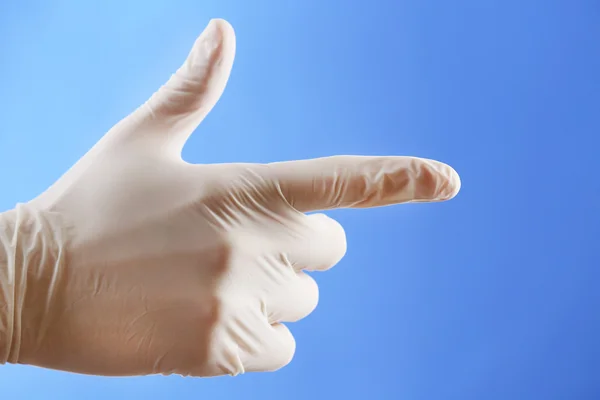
[(331, 232), (287, 348), (312, 293)]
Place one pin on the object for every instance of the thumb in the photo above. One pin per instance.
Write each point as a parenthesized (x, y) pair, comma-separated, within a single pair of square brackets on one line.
[(177, 108)]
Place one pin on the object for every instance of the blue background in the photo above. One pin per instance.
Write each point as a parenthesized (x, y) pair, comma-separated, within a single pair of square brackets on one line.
[(494, 295)]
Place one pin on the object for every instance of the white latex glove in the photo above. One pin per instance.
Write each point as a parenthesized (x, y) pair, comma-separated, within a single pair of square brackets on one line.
[(136, 262)]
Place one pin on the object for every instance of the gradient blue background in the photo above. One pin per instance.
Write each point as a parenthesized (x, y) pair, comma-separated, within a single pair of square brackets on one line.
[(494, 295)]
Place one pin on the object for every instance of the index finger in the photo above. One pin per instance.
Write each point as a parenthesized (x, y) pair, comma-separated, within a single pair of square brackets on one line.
[(363, 182)]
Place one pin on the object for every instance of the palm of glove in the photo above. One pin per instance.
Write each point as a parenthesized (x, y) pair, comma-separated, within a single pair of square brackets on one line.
[(166, 267)]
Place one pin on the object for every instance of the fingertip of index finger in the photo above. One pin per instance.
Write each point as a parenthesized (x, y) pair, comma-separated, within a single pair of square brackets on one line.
[(434, 181), (456, 183)]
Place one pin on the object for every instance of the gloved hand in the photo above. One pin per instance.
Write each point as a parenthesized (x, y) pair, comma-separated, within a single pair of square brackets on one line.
[(136, 262)]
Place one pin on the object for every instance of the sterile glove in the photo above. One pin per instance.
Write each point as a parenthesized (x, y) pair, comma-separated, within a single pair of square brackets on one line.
[(136, 262)]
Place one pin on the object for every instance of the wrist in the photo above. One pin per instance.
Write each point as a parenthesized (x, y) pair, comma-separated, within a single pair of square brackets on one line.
[(28, 274)]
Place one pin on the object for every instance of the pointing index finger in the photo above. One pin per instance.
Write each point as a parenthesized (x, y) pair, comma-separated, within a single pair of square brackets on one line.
[(364, 182)]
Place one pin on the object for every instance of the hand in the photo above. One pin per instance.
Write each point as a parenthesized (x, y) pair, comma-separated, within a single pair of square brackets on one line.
[(145, 264)]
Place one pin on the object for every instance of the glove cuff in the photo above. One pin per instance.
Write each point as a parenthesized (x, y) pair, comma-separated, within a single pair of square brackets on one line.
[(27, 258), (8, 279)]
